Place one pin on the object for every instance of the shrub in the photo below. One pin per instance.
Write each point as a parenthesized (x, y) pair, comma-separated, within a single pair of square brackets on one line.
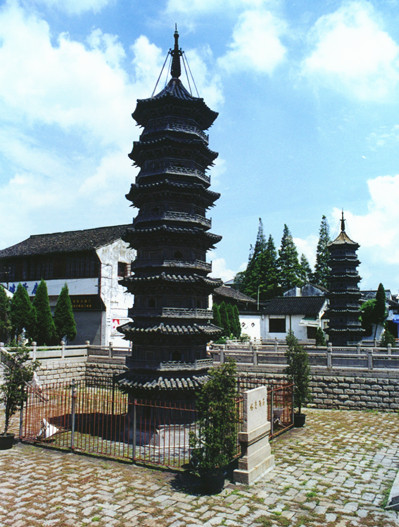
[(298, 370)]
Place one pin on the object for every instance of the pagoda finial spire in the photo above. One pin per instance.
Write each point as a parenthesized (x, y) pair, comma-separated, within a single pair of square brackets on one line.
[(342, 222), (176, 53)]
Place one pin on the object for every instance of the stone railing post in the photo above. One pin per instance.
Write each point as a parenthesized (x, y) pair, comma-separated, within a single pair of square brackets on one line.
[(221, 356), (275, 344), (62, 349), (389, 349), (110, 350), (329, 357), (370, 359), (255, 356), (358, 348), (87, 344), (34, 349)]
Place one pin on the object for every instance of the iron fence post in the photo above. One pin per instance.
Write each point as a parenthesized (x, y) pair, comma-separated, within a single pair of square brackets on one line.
[(134, 428), (293, 402), (272, 410), (21, 420), (73, 403)]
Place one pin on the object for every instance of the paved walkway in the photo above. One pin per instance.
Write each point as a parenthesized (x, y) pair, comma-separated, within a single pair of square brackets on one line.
[(336, 471)]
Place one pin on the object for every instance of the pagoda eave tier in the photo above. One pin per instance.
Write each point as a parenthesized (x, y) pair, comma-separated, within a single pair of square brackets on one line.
[(134, 329), (174, 381), (140, 193), (174, 99), (167, 281), (172, 148), (163, 233)]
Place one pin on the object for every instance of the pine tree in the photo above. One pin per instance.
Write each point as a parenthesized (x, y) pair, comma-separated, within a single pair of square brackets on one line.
[(267, 269), (289, 266), (45, 327), (5, 324), (380, 312), (251, 280), (230, 314), (224, 318), (321, 269), (22, 314), (63, 316), (216, 315), (237, 324), (305, 271)]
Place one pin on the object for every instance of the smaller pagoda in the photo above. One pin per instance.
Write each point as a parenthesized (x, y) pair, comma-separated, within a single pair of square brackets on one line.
[(344, 327)]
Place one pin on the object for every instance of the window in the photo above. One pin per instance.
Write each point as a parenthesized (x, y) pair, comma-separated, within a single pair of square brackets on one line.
[(122, 269), (276, 325)]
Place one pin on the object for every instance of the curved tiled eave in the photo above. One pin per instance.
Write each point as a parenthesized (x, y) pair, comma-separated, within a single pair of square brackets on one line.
[(182, 329), (173, 148), (164, 279), (167, 189), (172, 218), (163, 234), (147, 382)]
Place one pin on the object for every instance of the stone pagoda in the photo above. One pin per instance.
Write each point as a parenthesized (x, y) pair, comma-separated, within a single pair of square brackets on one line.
[(171, 320), (344, 327)]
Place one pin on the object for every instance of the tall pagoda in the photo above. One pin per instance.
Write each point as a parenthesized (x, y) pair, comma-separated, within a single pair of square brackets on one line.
[(171, 234), (344, 327)]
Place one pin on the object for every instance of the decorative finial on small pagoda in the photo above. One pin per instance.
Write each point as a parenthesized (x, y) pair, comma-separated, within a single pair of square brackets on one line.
[(343, 222), (176, 53)]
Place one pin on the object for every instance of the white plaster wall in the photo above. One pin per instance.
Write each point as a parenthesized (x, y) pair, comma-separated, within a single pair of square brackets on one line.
[(291, 322), (250, 325), (76, 286), (116, 299)]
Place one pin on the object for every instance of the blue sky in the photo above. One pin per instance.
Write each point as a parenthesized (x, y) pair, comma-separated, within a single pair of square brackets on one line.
[(307, 95)]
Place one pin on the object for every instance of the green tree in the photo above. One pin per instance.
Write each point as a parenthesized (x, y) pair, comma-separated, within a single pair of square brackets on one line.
[(298, 370), (267, 270), (22, 314), (5, 323), (216, 315), (64, 319), (224, 318), (251, 279), (320, 337), (380, 312), (45, 328), (305, 270), (237, 324), (321, 269), (367, 316), (289, 266)]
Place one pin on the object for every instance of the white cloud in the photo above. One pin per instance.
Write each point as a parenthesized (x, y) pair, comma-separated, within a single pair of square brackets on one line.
[(307, 246), (353, 54), (256, 43), (220, 269), (201, 7), (209, 85), (75, 7)]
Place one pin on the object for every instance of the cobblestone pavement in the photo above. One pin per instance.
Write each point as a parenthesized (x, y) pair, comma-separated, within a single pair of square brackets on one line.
[(336, 471)]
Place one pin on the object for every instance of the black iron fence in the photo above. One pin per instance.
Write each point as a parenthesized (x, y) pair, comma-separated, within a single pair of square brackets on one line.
[(95, 417)]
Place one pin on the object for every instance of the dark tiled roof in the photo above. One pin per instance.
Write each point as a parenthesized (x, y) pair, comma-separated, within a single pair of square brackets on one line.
[(132, 328), (65, 242), (176, 278), (230, 292), (343, 239), (294, 305), (150, 382)]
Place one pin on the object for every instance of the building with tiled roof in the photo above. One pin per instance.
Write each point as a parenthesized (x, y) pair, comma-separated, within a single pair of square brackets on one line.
[(90, 262)]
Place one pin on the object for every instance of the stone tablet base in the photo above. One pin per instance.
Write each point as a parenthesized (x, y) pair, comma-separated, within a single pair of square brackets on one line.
[(257, 459)]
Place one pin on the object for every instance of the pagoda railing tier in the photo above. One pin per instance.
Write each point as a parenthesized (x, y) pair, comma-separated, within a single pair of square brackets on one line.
[(160, 262), (172, 312), (178, 126), (174, 216), (174, 170)]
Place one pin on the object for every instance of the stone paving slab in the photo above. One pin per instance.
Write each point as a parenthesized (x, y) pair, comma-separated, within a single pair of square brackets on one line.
[(336, 471)]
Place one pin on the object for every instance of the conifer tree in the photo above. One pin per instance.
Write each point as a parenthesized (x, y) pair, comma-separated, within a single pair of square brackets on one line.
[(22, 314), (305, 269), (45, 328), (237, 325), (230, 314), (251, 280), (63, 316), (5, 324), (224, 318), (267, 269), (216, 315), (288, 262), (380, 312), (321, 269)]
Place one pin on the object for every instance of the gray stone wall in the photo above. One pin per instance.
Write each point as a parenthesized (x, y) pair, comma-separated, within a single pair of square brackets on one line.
[(355, 391)]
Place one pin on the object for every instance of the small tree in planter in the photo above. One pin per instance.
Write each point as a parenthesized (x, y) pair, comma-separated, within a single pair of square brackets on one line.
[(298, 371), (215, 445), (18, 370)]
